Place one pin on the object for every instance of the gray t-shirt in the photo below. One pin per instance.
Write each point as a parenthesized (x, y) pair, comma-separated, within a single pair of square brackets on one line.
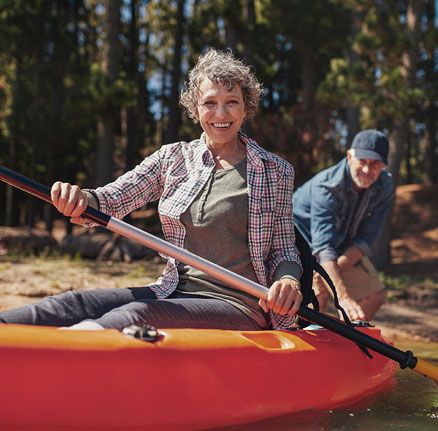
[(217, 229)]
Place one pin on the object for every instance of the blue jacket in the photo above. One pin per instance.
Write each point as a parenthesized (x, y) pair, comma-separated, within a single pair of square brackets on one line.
[(332, 216)]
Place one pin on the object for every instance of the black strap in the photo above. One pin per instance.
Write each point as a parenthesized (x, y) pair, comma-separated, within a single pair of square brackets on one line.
[(321, 271)]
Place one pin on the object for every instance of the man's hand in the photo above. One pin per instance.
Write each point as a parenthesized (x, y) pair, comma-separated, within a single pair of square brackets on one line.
[(352, 308), (284, 297)]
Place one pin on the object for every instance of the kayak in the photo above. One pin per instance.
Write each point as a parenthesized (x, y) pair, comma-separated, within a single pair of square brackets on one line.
[(186, 379)]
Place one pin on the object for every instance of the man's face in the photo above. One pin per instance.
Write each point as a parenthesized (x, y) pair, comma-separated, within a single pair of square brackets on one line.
[(364, 172)]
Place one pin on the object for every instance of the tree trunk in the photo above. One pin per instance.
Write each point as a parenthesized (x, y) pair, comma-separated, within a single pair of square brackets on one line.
[(162, 121), (397, 143), (401, 134), (381, 251), (30, 201), (397, 146), (308, 76), (249, 19), (60, 60), (430, 175), (230, 11), (248, 15), (11, 215), (174, 110), (110, 68), (399, 137), (353, 124), (408, 156), (352, 113), (431, 150), (132, 112)]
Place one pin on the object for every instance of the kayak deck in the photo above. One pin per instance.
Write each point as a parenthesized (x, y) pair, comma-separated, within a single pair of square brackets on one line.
[(188, 379)]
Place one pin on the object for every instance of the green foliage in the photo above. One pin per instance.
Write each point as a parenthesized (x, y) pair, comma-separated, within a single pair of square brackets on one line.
[(106, 93), (380, 74), (402, 282), (317, 60)]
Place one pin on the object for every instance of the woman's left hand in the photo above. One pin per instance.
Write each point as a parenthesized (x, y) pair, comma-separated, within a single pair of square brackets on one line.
[(284, 297)]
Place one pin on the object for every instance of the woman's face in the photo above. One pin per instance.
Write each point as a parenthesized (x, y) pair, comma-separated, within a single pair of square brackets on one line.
[(221, 111)]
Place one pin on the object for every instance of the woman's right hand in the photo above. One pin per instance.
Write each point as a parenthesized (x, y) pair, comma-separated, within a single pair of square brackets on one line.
[(70, 201)]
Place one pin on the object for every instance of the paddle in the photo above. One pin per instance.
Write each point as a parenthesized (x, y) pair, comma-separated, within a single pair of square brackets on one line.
[(405, 359)]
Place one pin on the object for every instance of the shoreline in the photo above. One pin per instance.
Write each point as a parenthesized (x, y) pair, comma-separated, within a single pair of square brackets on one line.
[(27, 279)]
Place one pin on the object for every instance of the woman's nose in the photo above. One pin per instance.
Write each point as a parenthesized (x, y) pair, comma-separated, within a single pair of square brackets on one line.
[(221, 109)]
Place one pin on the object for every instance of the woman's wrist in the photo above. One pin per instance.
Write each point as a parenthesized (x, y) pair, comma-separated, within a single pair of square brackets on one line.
[(292, 278), (92, 199)]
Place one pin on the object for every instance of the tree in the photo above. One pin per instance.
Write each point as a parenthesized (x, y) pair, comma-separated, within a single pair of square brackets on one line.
[(329, 67), (110, 68), (430, 81), (136, 114), (249, 18), (382, 80), (174, 111), (292, 53)]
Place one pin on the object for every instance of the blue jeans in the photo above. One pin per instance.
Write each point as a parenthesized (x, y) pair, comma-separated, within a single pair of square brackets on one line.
[(121, 307)]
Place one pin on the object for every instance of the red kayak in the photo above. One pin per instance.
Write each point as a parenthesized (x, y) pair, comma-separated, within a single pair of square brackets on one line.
[(187, 379)]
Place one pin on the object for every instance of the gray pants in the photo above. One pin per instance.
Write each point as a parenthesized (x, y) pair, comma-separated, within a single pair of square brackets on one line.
[(121, 307)]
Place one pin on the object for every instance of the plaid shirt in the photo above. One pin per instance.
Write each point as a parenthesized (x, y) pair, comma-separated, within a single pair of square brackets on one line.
[(177, 172)]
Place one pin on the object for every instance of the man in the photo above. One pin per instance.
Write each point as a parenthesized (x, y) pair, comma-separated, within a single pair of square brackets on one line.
[(340, 211)]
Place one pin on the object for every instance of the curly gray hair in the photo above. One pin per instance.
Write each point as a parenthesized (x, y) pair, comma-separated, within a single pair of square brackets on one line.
[(222, 68)]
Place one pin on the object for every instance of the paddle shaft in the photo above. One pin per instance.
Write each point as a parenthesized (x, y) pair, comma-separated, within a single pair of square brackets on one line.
[(405, 359)]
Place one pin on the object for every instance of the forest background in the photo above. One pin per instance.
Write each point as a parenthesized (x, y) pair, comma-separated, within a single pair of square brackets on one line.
[(89, 88)]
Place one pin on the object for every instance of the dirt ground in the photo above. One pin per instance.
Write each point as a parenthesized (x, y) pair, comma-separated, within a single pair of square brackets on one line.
[(411, 309)]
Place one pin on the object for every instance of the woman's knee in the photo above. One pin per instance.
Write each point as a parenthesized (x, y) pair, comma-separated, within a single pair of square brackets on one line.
[(136, 312)]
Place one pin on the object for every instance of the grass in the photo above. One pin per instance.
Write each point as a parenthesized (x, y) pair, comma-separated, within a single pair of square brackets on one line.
[(26, 276), (406, 286), (405, 281)]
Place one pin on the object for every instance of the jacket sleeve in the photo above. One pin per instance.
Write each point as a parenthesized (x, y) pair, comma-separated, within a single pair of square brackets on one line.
[(325, 206), (373, 220)]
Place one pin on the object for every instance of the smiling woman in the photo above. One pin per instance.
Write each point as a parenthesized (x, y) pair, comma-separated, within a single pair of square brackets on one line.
[(221, 197)]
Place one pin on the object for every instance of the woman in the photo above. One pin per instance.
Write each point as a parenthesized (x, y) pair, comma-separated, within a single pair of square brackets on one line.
[(221, 197)]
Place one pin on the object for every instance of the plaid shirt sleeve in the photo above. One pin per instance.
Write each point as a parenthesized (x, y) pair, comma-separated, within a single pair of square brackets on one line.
[(133, 189), (283, 239), (271, 231)]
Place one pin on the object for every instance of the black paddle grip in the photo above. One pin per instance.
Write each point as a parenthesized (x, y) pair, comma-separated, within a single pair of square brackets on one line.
[(43, 192), (405, 359)]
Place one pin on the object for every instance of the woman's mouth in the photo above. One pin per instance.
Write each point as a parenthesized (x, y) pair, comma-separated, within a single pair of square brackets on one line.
[(221, 125)]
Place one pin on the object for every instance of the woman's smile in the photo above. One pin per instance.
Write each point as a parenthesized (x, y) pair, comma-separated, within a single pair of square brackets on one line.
[(221, 125)]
